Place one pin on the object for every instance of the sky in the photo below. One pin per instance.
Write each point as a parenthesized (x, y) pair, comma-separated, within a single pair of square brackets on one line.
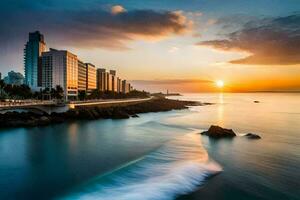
[(159, 45)]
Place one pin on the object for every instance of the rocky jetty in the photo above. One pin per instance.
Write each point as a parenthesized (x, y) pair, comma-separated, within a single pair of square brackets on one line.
[(25, 119), (252, 136), (219, 132)]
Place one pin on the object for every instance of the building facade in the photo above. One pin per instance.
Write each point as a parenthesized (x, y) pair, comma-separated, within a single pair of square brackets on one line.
[(60, 67), (82, 76), (114, 84), (101, 83), (119, 85), (91, 76), (125, 87), (32, 63), (109, 82), (113, 72)]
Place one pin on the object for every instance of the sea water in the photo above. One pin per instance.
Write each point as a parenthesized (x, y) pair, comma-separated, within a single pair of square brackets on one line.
[(161, 156)]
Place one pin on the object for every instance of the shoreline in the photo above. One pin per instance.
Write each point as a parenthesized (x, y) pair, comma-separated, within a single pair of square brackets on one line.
[(31, 119)]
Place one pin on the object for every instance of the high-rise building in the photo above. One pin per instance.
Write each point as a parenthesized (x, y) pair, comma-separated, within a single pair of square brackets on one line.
[(14, 78), (114, 84), (114, 80), (82, 76), (91, 76), (32, 63), (113, 72), (109, 82), (101, 80), (119, 85), (125, 87), (60, 67)]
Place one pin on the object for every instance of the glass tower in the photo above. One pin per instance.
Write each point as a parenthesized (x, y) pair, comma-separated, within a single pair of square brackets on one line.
[(32, 67)]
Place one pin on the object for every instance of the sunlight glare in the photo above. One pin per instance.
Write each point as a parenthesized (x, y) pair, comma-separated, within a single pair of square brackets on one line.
[(220, 83)]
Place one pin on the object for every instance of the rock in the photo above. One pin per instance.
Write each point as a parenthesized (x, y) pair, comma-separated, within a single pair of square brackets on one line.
[(24, 119), (219, 132), (119, 114), (256, 101), (134, 116), (252, 136)]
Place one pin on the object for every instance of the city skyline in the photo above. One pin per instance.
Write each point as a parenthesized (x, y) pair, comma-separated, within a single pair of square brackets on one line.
[(61, 70), (193, 44)]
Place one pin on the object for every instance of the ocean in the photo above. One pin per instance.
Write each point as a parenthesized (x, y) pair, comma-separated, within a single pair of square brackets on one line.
[(161, 156)]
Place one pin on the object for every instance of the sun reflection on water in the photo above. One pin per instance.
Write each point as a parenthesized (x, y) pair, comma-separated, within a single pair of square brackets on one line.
[(220, 109)]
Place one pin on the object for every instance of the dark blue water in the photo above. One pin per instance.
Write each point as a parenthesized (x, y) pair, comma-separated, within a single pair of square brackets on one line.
[(160, 155)]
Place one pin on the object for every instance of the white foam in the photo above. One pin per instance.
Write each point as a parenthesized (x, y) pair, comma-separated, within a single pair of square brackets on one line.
[(177, 168)]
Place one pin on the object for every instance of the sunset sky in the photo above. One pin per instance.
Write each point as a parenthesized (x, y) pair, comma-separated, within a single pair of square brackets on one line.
[(180, 45)]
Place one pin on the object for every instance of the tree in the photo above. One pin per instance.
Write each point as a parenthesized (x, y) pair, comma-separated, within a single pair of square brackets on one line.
[(2, 86), (95, 94), (82, 95), (57, 92)]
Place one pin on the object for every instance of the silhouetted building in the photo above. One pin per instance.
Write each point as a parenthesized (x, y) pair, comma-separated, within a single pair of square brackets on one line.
[(32, 63), (14, 78), (60, 67), (82, 76)]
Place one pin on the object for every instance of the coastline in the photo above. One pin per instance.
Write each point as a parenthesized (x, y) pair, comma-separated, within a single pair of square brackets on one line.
[(32, 119)]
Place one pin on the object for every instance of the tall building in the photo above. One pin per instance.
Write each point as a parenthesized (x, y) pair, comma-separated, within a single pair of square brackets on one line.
[(101, 80), (114, 80), (82, 76), (32, 63), (60, 67), (113, 72), (114, 84), (125, 87), (109, 82), (14, 78), (119, 85), (91, 76)]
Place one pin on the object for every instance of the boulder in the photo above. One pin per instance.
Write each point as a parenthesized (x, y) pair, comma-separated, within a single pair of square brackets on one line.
[(252, 136), (219, 132)]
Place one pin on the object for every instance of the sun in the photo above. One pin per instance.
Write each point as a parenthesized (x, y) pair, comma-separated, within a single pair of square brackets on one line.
[(220, 83)]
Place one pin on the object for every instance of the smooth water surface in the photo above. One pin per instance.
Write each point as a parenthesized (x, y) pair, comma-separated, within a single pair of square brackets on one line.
[(161, 156)]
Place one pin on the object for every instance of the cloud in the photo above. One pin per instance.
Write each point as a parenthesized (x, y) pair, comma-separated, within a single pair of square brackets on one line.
[(268, 41), (117, 9), (175, 85), (171, 81), (97, 28)]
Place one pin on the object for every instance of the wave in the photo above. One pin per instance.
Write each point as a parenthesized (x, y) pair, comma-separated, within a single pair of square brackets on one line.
[(178, 167)]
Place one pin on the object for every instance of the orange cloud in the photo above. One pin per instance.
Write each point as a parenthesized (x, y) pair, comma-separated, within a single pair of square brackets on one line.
[(117, 9)]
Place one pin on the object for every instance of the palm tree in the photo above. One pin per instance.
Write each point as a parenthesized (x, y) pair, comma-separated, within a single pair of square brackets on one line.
[(59, 92)]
